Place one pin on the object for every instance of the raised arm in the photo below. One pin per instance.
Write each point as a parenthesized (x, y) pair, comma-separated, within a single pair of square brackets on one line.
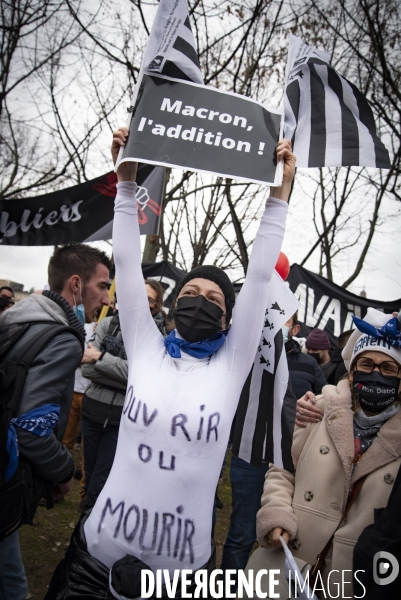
[(139, 331), (249, 311)]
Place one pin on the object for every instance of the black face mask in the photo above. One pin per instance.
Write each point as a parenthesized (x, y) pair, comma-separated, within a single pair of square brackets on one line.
[(317, 357), (196, 318), (375, 392)]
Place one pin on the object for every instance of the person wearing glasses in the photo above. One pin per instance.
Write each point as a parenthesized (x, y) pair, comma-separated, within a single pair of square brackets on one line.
[(353, 430), (104, 364)]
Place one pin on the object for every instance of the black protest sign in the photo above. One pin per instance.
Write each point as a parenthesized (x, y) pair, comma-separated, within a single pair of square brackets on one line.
[(327, 306), (82, 213), (185, 125)]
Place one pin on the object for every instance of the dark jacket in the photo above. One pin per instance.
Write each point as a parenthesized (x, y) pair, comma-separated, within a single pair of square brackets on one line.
[(305, 373), (335, 369), (383, 535), (50, 380)]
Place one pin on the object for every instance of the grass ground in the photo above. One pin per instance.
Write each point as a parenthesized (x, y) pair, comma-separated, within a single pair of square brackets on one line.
[(44, 544)]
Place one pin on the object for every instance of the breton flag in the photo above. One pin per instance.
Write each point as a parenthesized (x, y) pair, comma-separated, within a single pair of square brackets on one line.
[(265, 417), (327, 118), (171, 48)]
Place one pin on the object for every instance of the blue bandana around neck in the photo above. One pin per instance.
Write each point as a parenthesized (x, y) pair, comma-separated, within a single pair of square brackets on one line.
[(389, 332), (40, 421), (200, 349)]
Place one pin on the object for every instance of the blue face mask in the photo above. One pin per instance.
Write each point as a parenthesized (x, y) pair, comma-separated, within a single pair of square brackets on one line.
[(80, 313), (80, 309), (285, 331)]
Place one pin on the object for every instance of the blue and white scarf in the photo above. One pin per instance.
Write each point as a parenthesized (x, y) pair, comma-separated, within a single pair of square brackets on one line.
[(41, 421)]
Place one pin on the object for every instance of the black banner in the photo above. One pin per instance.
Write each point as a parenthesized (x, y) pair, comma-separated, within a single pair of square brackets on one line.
[(168, 275), (82, 213), (328, 306), (185, 125), (323, 304)]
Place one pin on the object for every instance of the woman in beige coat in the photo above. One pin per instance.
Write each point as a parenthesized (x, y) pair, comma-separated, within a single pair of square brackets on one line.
[(332, 455)]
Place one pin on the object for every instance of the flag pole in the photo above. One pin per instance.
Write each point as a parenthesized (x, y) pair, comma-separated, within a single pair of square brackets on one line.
[(112, 291)]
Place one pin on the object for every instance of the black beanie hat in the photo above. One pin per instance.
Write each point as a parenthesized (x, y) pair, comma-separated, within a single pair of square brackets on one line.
[(213, 274)]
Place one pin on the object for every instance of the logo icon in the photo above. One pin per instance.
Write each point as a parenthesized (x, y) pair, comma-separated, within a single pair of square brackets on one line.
[(385, 568), (156, 64)]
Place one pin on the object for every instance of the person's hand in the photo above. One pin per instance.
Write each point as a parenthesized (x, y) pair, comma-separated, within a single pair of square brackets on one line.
[(274, 537), (284, 153), (64, 488), (61, 489), (91, 355), (307, 412), (127, 170)]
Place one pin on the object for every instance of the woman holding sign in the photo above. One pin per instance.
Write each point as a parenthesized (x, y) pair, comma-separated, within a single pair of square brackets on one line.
[(182, 395)]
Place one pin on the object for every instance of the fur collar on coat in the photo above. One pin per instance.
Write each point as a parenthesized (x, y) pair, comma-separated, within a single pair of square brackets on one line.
[(385, 448)]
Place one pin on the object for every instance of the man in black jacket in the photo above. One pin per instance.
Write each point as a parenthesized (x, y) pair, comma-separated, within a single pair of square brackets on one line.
[(305, 373), (79, 281)]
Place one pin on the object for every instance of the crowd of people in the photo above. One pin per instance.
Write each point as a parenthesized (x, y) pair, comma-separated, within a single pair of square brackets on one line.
[(153, 398)]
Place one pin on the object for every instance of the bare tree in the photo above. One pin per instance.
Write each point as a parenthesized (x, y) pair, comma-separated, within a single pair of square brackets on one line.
[(348, 204), (363, 38), (204, 218), (56, 93), (68, 70)]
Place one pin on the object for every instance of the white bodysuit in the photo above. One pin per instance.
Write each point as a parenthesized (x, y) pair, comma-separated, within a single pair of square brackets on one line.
[(158, 500)]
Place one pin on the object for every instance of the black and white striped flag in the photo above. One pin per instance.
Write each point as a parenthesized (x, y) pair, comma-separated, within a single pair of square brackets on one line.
[(265, 416), (171, 48), (328, 119)]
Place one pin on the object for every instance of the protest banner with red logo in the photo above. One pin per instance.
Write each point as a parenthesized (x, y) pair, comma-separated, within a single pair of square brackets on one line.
[(82, 213)]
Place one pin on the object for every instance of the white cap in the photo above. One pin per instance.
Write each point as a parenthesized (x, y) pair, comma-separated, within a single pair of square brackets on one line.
[(361, 342)]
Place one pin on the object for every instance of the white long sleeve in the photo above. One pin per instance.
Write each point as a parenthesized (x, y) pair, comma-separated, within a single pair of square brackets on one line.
[(158, 500), (137, 325)]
